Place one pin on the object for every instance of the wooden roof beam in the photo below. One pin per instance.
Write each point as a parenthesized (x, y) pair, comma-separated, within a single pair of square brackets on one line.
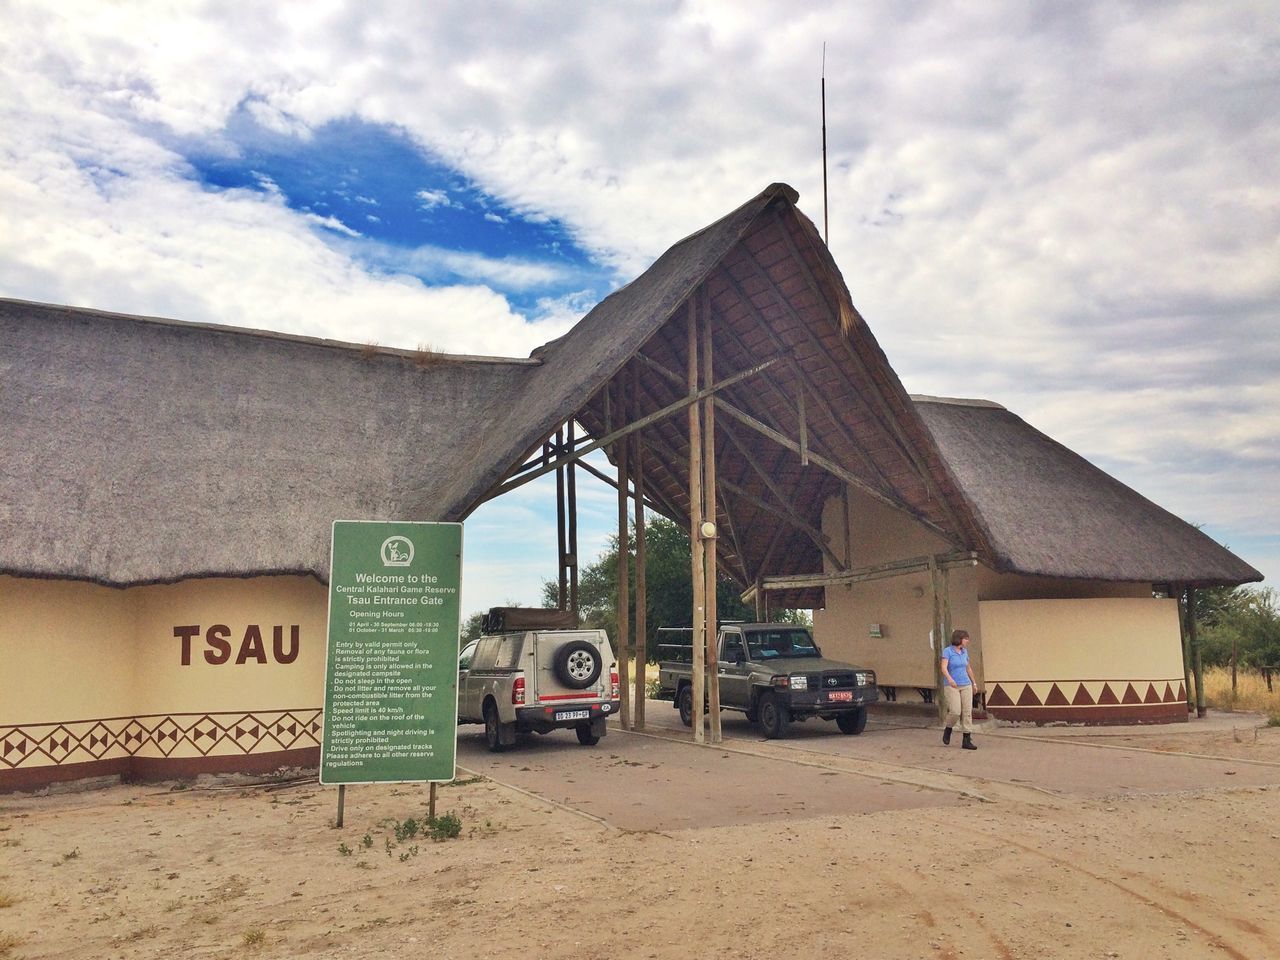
[(823, 542), (667, 411), (759, 317), (881, 571), (832, 468), (912, 454), (788, 517)]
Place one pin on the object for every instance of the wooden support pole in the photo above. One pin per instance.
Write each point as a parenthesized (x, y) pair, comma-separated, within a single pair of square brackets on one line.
[(642, 596), (431, 802), (624, 568), (572, 559), (759, 602), (342, 806), (804, 425), (848, 528), (939, 641), (698, 621), (1197, 664), (562, 585), (710, 513), (1186, 649)]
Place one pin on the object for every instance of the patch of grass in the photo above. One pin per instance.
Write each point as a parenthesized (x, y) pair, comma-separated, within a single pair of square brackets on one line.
[(255, 937), (1273, 720), (8, 943), (405, 829), (345, 850), (1251, 691), (366, 841), (427, 356), (444, 828)]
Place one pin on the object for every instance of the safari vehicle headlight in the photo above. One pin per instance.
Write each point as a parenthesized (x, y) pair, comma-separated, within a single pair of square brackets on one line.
[(799, 681), (866, 679)]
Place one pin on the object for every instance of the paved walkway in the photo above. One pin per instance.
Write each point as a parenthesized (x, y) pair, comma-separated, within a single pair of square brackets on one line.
[(660, 780)]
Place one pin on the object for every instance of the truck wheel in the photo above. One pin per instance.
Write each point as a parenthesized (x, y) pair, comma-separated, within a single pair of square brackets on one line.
[(854, 722), (586, 736), (684, 702), (774, 718), (577, 664), (495, 737)]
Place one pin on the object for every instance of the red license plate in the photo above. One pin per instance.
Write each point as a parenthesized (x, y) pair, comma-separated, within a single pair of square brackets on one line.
[(838, 695)]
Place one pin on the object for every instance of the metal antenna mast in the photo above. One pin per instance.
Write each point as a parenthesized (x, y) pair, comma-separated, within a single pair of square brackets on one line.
[(826, 222)]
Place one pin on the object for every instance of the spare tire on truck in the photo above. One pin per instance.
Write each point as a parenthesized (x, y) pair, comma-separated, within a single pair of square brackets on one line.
[(577, 664)]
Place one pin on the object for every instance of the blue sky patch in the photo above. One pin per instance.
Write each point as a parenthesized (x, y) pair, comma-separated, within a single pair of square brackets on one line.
[(413, 213)]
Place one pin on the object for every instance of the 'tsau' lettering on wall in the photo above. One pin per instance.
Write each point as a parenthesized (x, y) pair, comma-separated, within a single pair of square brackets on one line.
[(218, 644)]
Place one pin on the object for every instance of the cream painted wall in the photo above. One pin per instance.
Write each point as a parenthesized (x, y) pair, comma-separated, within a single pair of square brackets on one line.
[(1101, 639), (903, 605), (165, 685), (77, 651), (68, 651)]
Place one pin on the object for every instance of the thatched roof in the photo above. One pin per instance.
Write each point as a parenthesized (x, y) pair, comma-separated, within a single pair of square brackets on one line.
[(1050, 512), (772, 290), (137, 450)]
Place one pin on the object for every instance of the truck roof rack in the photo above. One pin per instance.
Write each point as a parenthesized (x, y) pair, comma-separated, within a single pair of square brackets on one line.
[(517, 619)]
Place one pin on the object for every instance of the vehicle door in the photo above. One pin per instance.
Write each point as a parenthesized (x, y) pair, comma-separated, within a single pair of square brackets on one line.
[(473, 684), (735, 675)]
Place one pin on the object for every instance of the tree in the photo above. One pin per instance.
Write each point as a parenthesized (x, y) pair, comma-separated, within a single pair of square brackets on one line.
[(472, 627), (1245, 619), (669, 586)]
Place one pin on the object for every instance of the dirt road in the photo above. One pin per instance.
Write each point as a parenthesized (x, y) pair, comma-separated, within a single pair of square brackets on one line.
[(878, 846)]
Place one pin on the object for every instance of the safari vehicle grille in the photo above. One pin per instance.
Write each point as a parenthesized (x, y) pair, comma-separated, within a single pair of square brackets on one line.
[(844, 680)]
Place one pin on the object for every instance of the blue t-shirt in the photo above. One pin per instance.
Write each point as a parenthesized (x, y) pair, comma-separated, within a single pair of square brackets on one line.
[(957, 664)]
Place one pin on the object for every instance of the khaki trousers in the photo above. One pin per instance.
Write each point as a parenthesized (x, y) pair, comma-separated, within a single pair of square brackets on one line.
[(959, 705)]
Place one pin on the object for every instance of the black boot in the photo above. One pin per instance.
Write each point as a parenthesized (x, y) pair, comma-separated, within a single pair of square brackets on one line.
[(968, 742), (946, 737)]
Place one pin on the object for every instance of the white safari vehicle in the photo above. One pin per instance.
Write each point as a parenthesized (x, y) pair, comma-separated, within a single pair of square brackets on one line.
[(533, 671)]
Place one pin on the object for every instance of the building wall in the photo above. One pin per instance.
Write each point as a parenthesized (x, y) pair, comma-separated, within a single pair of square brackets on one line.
[(1106, 660), (903, 656), (101, 683), (1143, 645)]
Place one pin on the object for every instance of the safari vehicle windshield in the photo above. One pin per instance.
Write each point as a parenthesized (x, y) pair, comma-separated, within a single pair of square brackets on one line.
[(770, 644)]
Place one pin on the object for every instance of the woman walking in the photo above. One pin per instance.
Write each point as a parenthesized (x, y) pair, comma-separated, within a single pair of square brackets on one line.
[(959, 688)]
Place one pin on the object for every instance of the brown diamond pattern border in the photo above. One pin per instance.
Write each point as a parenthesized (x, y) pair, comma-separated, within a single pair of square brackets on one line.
[(159, 735), (1095, 701)]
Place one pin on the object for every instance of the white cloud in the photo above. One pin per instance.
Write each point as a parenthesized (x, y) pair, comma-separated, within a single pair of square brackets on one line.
[(1071, 209), (507, 273), (429, 199)]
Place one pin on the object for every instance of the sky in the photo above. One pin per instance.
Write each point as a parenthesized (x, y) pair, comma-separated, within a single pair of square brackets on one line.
[(1072, 209)]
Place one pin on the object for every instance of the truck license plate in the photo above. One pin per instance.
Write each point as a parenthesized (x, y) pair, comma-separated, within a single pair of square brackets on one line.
[(573, 715), (836, 695)]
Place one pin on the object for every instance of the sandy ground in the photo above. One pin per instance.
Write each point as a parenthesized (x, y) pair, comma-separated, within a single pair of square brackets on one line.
[(879, 846)]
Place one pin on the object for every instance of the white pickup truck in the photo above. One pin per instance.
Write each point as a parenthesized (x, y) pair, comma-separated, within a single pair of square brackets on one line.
[(534, 671)]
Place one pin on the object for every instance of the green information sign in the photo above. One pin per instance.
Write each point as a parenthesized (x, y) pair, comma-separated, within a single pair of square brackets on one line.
[(391, 675)]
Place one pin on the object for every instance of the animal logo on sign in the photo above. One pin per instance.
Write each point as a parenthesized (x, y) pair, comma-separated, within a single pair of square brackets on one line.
[(397, 551)]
